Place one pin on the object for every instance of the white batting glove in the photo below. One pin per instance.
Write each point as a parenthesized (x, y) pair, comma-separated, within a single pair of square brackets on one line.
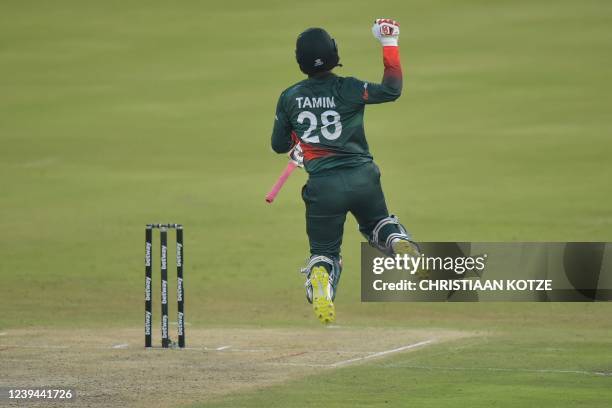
[(386, 31), (297, 155)]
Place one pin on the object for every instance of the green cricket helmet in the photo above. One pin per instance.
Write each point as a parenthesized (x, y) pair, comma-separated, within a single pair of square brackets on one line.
[(316, 51)]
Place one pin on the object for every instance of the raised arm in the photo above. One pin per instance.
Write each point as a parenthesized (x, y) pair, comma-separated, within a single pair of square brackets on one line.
[(387, 32)]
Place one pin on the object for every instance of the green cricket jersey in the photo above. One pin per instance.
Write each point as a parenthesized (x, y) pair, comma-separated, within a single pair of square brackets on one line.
[(325, 115)]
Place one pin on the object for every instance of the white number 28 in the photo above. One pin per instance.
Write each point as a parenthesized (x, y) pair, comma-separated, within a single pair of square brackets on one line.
[(326, 123)]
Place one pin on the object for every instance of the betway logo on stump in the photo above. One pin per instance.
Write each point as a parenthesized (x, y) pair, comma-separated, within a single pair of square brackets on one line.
[(179, 255), (148, 323), (179, 290), (164, 256), (148, 289), (180, 324), (164, 294), (148, 254)]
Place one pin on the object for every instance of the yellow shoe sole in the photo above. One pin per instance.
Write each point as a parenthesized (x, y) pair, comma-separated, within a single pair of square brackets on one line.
[(322, 304), (407, 248)]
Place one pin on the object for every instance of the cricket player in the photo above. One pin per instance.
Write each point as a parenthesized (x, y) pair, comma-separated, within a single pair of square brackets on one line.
[(319, 121)]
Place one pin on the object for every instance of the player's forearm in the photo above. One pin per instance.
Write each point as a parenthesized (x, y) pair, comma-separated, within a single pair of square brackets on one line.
[(392, 76)]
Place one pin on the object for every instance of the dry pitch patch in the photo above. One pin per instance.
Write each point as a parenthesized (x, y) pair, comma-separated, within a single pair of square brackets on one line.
[(112, 368)]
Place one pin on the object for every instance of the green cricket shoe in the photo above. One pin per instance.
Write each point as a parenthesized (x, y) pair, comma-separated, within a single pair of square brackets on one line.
[(322, 288)]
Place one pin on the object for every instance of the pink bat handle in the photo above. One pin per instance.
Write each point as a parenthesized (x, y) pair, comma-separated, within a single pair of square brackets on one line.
[(281, 180)]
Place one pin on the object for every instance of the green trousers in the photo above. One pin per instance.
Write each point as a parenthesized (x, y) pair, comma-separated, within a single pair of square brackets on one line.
[(330, 196)]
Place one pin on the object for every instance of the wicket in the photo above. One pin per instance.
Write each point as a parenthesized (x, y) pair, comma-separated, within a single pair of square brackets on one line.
[(180, 292)]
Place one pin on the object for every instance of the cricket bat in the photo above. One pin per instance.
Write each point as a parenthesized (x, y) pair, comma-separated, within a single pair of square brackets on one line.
[(281, 180)]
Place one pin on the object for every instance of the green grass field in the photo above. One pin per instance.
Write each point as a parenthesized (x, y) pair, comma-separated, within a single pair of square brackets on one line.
[(116, 114)]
